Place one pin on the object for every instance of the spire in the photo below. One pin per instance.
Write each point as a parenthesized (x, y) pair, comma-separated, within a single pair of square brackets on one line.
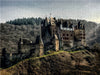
[(56, 43)]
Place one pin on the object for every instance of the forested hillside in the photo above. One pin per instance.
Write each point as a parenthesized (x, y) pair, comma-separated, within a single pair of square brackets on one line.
[(10, 35), (25, 21)]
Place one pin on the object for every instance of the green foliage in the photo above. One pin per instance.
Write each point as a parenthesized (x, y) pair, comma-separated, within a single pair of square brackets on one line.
[(26, 21)]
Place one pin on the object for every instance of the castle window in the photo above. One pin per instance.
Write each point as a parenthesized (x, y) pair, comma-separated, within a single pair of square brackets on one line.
[(67, 34), (83, 37), (83, 34), (63, 34), (71, 34)]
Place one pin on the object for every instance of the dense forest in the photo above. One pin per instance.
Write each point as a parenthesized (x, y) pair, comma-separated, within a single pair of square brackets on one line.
[(26, 21)]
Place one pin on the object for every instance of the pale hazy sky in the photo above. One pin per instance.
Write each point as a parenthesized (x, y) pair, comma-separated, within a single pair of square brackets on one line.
[(69, 9)]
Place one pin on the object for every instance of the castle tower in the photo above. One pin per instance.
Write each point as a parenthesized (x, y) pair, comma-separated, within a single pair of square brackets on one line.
[(46, 21), (41, 44), (56, 43), (53, 26), (83, 42)]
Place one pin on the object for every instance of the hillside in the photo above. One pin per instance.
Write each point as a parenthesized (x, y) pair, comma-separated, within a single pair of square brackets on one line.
[(98, 34), (10, 35), (62, 62), (94, 36)]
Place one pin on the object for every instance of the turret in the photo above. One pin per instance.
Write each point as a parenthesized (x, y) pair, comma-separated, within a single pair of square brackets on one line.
[(56, 43), (41, 44), (53, 26)]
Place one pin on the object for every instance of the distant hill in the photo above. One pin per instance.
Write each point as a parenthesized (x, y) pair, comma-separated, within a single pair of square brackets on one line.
[(94, 36)]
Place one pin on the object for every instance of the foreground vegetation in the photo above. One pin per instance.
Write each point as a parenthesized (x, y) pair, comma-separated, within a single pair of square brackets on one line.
[(62, 62)]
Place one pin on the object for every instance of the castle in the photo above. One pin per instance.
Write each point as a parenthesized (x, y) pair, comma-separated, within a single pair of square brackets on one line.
[(62, 34), (55, 35)]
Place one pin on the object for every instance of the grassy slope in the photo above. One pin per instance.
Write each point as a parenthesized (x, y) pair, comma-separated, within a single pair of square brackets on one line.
[(34, 58), (37, 61)]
